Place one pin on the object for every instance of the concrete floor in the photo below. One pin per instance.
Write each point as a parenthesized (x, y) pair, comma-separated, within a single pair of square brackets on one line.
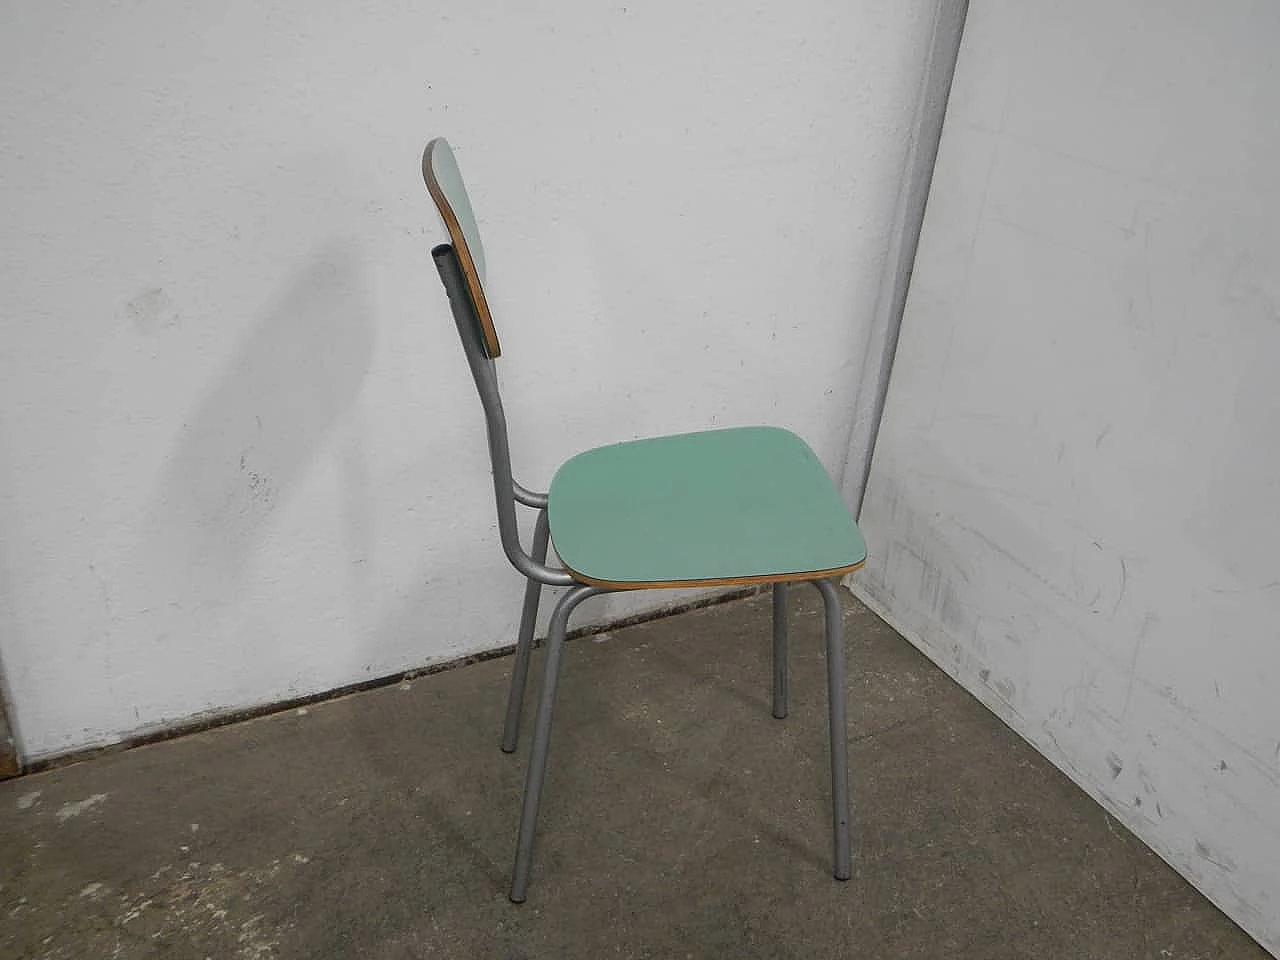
[(680, 820)]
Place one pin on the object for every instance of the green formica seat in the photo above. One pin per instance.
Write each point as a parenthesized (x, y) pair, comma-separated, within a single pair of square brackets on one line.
[(733, 506), (747, 505)]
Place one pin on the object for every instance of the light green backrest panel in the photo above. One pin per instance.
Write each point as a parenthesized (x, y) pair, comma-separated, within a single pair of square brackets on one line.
[(444, 182), (449, 177)]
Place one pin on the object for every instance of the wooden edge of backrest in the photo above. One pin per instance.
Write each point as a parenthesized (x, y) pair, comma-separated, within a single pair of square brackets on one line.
[(490, 333)]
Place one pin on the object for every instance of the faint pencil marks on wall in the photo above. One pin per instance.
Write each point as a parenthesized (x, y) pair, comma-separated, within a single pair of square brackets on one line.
[(1253, 286), (1219, 860), (1115, 765)]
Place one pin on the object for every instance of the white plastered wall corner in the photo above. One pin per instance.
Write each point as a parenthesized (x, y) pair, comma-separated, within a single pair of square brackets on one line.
[(1073, 505)]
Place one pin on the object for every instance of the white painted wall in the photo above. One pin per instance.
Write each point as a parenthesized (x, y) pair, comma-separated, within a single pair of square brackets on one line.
[(1074, 505), (242, 458)]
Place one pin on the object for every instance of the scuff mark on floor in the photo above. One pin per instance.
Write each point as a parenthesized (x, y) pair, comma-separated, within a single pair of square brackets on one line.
[(207, 902), (75, 808)]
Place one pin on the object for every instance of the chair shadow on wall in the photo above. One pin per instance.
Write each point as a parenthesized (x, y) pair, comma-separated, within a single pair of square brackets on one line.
[(253, 435)]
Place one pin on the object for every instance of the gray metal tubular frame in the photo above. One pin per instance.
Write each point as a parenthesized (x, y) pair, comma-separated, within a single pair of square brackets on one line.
[(780, 650), (506, 491), (837, 729), (524, 641), (534, 566), (542, 739)]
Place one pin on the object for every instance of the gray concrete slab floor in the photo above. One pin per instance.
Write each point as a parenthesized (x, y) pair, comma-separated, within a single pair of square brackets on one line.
[(680, 820)]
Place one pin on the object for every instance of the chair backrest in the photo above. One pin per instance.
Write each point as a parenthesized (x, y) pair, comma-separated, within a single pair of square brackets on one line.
[(444, 181), (461, 268)]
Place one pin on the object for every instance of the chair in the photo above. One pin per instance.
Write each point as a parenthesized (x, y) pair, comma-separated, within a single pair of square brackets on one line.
[(723, 507)]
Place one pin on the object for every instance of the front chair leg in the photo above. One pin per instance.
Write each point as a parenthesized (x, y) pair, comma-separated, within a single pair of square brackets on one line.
[(541, 739), (780, 650), (838, 734), (524, 640)]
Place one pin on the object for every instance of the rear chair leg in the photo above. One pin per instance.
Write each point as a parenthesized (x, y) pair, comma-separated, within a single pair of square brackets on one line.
[(524, 641), (541, 740)]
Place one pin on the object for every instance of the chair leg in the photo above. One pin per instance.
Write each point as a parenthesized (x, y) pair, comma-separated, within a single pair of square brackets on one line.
[(541, 739), (524, 641), (780, 650), (838, 734)]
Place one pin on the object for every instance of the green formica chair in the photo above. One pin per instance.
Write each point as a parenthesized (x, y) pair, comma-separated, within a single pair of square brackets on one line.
[(751, 505)]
